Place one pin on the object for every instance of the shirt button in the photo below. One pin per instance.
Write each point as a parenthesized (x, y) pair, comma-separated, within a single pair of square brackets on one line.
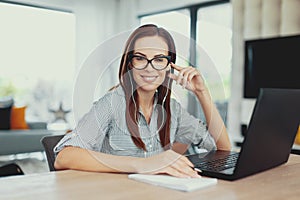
[(150, 146)]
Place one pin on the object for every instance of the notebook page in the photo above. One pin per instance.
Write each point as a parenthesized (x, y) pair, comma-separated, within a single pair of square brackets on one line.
[(183, 184)]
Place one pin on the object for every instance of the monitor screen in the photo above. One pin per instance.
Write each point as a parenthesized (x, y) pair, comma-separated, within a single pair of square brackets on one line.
[(271, 63)]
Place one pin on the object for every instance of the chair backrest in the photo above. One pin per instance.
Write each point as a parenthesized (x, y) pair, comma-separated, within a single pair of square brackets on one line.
[(49, 142), (10, 169)]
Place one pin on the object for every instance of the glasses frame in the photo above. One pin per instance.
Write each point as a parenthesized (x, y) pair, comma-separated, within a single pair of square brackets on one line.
[(150, 61)]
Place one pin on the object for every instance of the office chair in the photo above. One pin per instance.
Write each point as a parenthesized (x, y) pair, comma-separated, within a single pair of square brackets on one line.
[(49, 143), (10, 169)]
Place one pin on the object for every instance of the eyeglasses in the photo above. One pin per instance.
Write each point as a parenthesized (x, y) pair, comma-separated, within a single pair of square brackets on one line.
[(158, 63)]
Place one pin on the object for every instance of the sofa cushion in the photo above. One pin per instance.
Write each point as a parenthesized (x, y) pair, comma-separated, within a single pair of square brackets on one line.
[(17, 119), (6, 102), (5, 114)]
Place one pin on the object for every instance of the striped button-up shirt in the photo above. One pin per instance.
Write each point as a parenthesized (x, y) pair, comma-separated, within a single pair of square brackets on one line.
[(104, 129)]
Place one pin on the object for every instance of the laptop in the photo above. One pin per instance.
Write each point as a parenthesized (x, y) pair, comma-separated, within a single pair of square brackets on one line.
[(268, 141)]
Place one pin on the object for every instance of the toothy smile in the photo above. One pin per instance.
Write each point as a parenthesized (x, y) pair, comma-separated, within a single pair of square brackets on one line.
[(149, 78)]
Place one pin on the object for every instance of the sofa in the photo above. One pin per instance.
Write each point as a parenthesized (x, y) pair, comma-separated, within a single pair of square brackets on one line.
[(16, 134), (23, 141)]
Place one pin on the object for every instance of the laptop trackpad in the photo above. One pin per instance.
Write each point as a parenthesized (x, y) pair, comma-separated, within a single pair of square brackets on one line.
[(228, 171)]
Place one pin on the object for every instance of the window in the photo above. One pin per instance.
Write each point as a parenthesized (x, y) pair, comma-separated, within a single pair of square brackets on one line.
[(209, 24), (214, 34), (37, 58), (177, 22)]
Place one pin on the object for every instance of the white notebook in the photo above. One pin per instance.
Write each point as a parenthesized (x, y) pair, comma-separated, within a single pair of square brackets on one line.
[(183, 184)]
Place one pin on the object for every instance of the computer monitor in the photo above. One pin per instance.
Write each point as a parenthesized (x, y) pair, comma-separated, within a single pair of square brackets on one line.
[(271, 63)]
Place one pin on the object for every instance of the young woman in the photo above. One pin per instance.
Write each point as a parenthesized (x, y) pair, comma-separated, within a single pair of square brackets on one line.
[(136, 127)]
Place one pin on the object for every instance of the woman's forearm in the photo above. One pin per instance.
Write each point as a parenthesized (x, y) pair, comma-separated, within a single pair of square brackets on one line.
[(216, 126), (168, 162), (86, 160)]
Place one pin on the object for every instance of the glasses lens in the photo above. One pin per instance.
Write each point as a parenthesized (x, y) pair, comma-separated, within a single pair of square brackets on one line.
[(139, 62), (160, 63)]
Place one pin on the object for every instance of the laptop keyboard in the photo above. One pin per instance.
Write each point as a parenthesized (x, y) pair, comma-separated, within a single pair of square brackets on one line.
[(219, 164)]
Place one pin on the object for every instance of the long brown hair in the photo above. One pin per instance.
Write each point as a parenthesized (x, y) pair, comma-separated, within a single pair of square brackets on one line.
[(131, 95)]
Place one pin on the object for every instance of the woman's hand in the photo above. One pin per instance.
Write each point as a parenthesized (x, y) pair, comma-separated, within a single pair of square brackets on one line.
[(168, 162), (189, 77)]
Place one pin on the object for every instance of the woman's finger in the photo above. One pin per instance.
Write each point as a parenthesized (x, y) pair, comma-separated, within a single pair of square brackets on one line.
[(183, 168), (178, 68), (187, 161), (170, 171), (182, 75), (172, 76), (179, 78), (173, 164), (174, 172), (192, 75), (186, 75)]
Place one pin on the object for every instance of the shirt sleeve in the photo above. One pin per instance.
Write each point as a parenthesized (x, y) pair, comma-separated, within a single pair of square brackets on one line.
[(191, 130), (91, 128)]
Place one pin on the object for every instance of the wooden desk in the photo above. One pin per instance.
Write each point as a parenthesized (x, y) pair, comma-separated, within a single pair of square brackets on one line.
[(282, 182)]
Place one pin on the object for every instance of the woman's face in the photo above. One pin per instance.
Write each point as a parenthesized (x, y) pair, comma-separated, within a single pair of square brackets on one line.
[(149, 79)]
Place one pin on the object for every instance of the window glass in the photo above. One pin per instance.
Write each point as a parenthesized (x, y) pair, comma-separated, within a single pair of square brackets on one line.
[(214, 34), (37, 58)]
